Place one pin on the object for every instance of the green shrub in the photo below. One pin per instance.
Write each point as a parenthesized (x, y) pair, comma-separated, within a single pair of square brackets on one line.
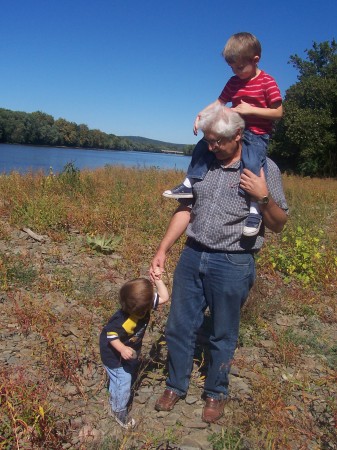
[(104, 244), (300, 254), (40, 214)]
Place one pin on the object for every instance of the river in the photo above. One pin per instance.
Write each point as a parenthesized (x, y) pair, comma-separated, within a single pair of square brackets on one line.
[(23, 159)]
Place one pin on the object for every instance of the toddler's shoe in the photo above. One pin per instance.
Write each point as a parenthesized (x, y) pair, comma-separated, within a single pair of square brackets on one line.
[(180, 191), (253, 224), (123, 420)]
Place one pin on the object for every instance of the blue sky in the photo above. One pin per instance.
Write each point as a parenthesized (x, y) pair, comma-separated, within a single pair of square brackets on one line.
[(143, 68)]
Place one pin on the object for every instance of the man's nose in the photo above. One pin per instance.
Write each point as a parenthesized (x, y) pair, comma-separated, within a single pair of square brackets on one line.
[(212, 146)]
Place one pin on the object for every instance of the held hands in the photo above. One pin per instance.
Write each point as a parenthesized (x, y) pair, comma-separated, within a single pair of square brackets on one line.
[(254, 185), (157, 266), (157, 273)]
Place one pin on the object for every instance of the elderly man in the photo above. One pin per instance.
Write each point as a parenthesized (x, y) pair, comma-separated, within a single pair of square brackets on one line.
[(216, 268)]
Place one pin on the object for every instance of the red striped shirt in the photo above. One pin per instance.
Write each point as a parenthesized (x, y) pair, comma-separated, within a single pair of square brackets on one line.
[(261, 92)]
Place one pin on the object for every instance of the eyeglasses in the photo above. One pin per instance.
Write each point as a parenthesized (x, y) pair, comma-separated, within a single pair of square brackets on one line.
[(212, 142)]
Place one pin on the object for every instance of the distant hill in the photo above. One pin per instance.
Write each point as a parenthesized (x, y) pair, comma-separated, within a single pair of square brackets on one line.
[(152, 142)]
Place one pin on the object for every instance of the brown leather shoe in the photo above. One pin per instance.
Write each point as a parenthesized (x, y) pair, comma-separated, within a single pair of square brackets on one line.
[(167, 401), (213, 409)]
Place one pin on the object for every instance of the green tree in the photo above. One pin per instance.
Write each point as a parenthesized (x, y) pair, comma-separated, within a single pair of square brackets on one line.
[(42, 129), (68, 132), (306, 138), (84, 135)]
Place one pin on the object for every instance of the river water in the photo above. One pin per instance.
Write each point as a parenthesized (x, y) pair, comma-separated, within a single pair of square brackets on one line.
[(23, 159)]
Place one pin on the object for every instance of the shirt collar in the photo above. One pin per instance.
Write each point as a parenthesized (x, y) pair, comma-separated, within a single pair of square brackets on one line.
[(233, 166)]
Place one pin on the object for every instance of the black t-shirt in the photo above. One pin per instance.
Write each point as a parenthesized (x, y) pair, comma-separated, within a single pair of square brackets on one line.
[(129, 330)]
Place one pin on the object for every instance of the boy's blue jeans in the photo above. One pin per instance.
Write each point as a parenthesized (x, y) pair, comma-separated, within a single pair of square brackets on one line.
[(254, 153), (220, 281), (253, 157), (201, 161), (120, 383)]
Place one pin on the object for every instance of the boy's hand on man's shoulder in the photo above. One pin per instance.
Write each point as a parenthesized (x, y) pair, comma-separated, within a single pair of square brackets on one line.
[(244, 108), (195, 125)]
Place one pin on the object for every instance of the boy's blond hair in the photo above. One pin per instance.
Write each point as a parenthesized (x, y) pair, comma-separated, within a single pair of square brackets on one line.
[(136, 296), (241, 47)]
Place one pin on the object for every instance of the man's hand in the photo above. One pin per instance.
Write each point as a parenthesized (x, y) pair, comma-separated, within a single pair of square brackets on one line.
[(157, 265), (255, 186)]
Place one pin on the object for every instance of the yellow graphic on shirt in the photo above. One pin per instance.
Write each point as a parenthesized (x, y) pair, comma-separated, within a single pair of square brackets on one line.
[(130, 324)]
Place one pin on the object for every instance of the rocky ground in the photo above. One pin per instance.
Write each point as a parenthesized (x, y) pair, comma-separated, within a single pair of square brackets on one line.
[(56, 296)]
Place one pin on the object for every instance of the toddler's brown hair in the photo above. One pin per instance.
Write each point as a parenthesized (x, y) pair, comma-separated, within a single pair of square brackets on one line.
[(136, 296)]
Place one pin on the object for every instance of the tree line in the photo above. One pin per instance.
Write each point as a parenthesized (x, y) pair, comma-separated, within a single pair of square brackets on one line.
[(39, 128), (304, 142)]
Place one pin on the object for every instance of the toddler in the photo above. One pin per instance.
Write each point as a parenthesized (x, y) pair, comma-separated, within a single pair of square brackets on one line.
[(121, 340)]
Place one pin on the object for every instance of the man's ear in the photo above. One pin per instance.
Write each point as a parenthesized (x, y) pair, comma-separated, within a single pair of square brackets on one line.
[(256, 59), (238, 135)]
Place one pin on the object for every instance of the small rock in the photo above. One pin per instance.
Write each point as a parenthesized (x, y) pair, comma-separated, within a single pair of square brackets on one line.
[(267, 344), (142, 398), (241, 386), (289, 321), (234, 371), (171, 419), (195, 424), (88, 433), (146, 389), (162, 414), (190, 399)]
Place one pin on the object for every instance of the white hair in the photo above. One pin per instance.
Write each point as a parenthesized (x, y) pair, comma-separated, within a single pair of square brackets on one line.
[(222, 121)]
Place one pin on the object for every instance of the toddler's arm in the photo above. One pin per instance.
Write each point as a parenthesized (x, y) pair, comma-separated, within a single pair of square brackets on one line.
[(125, 351), (161, 287)]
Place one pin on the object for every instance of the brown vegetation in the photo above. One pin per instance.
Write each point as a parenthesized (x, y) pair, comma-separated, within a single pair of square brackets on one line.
[(102, 227)]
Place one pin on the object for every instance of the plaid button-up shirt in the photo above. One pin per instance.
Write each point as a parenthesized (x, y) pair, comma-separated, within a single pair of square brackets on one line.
[(219, 212)]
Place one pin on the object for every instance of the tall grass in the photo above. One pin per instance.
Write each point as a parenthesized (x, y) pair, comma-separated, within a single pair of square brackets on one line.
[(115, 202), (118, 201)]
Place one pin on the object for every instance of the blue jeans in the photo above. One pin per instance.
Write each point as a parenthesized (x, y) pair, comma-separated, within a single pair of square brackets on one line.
[(201, 161), (253, 157), (254, 153), (220, 281), (120, 383)]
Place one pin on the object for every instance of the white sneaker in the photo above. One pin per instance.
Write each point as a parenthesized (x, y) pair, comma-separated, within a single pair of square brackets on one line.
[(253, 224), (122, 419), (180, 191)]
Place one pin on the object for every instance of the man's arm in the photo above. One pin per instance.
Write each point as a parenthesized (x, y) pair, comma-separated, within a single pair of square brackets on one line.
[(274, 217), (176, 228)]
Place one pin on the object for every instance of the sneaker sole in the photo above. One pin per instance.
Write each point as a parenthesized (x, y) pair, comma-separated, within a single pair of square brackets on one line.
[(251, 233), (126, 426), (178, 195)]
